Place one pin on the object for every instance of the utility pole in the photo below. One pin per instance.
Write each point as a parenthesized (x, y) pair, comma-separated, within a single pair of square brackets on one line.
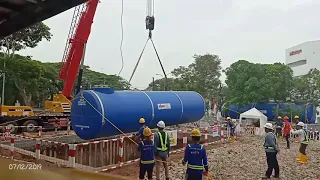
[(152, 83), (3, 81)]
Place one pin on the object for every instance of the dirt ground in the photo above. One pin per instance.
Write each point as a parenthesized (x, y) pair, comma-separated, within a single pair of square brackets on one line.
[(47, 171)]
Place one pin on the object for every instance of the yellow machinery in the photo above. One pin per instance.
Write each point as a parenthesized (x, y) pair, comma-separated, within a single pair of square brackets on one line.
[(60, 104), (16, 111)]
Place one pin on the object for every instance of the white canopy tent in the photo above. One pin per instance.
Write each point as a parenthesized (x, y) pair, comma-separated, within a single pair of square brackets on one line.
[(251, 116)]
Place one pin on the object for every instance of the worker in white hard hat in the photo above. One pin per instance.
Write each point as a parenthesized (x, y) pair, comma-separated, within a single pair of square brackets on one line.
[(162, 143), (304, 141), (139, 135), (271, 148)]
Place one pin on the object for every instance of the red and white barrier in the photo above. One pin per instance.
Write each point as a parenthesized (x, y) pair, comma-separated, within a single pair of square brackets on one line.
[(37, 153), (72, 155), (206, 136), (12, 148), (120, 150), (185, 139)]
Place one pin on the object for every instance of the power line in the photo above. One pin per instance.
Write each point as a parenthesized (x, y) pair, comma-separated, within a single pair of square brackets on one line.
[(121, 42)]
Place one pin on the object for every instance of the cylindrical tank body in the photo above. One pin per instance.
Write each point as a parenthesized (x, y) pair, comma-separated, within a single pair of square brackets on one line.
[(99, 112)]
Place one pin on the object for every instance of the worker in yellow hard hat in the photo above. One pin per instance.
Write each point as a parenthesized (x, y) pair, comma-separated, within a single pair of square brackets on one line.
[(232, 127), (139, 135), (196, 158), (147, 159)]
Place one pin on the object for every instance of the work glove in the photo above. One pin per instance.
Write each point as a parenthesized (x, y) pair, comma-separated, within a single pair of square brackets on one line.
[(183, 163), (206, 173)]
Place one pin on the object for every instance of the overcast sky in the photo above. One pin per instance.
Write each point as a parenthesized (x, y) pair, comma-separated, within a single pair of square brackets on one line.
[(258, 31)]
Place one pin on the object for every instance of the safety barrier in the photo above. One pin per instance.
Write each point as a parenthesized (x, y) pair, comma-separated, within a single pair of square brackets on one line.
[(101, 155), (7, 130)]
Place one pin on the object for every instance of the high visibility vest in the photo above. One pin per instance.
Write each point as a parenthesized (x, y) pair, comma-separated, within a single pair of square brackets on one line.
[(270, 147), (306, 138), (163, 145)]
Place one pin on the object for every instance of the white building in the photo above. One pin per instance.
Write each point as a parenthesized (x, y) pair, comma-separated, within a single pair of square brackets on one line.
[(303, 57)]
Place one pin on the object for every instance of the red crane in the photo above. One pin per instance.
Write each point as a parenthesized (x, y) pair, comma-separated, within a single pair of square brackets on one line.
[(76, 44)]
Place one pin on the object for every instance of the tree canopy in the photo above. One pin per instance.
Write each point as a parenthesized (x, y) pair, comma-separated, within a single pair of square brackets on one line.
[(201, 76), (32, 82), (253, 83)]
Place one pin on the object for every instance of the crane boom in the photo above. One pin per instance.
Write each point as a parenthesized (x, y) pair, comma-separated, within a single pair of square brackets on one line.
[(78, 36)]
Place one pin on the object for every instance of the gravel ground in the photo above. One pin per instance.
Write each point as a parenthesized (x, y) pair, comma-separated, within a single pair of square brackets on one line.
[(245, 160)]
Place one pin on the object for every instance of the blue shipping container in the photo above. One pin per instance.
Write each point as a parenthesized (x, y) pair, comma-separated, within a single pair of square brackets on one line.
[(125, 108), (267, 109)]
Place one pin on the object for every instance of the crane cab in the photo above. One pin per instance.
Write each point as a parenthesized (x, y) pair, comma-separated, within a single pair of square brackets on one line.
[(59, 104)]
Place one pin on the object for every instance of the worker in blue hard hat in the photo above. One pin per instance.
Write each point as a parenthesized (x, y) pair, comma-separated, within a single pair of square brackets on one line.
[(139, 135), (162, 143), (147, 159), (232, 127), (196, 158)]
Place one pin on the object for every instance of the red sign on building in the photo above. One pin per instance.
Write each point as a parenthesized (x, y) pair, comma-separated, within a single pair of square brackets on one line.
[(295, 52)]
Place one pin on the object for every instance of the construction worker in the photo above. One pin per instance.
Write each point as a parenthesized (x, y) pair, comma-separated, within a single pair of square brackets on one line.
[(286, 130), (196, 157), (295, 122), (279, 125), (139, 135), (147, 149), (271, 148), (232, 127), (304, 141), (162, 143)]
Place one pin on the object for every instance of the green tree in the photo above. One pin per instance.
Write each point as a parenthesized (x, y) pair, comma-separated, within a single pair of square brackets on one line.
[(253, 83), (171, 84), (307, 88), (28, 37), (201, 76)]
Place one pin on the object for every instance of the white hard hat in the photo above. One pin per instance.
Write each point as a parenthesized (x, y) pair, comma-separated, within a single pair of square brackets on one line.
[(300, 124), (268, 126), (234, 120), (161, 124)]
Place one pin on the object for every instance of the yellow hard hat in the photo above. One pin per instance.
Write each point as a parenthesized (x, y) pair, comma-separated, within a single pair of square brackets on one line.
[(296, 117), (195, 132), (147, 132), (142, 120), (228, 118)]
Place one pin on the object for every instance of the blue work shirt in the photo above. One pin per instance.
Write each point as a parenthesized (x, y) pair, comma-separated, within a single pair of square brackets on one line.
[(196, 157), (147, 150), (231, 124), (279, 123), (140, 132)]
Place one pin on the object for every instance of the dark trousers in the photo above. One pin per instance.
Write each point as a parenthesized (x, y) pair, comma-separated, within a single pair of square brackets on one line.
[(278, 132), (287, 136), (303, 148), (272, 164), (146, 168), (194, 176)]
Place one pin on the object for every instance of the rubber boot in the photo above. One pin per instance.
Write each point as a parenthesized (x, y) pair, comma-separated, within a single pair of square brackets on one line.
[(299, 158), (304, 159), (232, 139)]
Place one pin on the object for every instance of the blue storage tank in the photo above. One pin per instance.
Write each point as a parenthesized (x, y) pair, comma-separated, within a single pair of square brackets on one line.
[(125, 108)]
